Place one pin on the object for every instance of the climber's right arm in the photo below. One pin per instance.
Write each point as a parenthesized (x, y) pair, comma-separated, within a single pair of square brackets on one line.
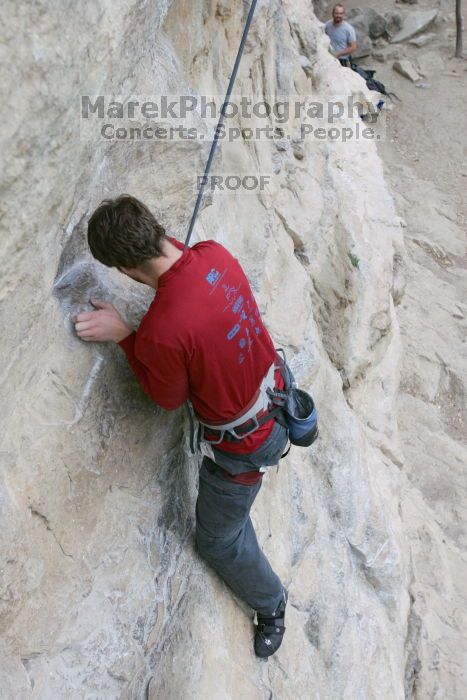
[(160, 369)]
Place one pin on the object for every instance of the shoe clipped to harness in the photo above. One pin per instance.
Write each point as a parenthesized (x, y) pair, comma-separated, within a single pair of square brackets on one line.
[(292, 407), (301, 418), (298, 408)]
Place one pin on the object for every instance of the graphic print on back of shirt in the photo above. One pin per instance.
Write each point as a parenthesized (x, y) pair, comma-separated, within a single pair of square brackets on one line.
[(245, 323)]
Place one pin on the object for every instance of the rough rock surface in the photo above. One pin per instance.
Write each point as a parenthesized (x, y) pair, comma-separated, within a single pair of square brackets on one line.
[(320, 6), (373, 22), (432, 419), (393, 22), (415, 23), (101, 592), (360, 22), (407, 69)]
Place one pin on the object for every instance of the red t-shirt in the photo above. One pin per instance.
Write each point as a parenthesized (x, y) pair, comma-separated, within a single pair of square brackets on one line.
[(202, 338)]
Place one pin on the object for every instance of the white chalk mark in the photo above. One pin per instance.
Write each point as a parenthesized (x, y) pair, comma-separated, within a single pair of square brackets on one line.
[(86, 393), (385, 543)]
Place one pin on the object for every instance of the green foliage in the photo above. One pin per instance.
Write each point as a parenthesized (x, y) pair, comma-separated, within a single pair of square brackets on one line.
[(354, 260)]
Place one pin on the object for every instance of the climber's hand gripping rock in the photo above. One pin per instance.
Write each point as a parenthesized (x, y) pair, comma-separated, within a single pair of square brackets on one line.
[(101, 325)]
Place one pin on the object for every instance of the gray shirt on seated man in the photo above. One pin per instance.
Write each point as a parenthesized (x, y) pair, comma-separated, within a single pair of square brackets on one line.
[(341, 34)]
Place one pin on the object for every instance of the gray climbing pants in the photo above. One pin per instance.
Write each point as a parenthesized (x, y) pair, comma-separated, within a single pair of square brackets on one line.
[(225, 536)]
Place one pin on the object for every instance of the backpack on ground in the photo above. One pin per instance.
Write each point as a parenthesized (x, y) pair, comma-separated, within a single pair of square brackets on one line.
[(371, 82)]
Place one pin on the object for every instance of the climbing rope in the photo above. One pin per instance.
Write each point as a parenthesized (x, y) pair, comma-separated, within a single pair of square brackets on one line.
[(221, 120)]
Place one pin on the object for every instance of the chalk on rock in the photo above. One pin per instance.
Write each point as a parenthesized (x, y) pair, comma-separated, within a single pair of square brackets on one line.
[(77, 285)]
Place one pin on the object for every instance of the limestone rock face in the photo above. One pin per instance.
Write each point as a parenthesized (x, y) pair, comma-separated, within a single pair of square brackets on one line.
[(102, 594)]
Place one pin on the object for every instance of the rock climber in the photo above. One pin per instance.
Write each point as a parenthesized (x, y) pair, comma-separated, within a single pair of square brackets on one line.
[(203, 340), (342, 35)]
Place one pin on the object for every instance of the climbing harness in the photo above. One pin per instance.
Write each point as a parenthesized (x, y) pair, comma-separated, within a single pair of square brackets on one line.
[(243, 424), (221, 120), (291, 407), (249, 419)]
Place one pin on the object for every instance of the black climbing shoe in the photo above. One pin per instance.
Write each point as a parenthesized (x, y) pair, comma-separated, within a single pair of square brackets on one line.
[(270, 630)]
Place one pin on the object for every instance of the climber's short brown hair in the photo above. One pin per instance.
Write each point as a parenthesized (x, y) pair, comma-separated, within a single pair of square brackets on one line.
[(122, 232)]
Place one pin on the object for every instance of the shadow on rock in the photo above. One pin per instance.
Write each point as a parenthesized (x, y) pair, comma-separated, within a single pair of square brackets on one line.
[(77, 280)]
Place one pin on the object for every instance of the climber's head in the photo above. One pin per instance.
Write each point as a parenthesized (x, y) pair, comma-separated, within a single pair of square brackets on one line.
[(123, 233), (338, 14)]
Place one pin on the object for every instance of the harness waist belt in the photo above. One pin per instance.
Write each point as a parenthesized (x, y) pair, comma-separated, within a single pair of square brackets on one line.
[(259, 404)]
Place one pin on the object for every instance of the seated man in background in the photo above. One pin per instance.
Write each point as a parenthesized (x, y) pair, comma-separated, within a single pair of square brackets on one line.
[(342, 35)]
